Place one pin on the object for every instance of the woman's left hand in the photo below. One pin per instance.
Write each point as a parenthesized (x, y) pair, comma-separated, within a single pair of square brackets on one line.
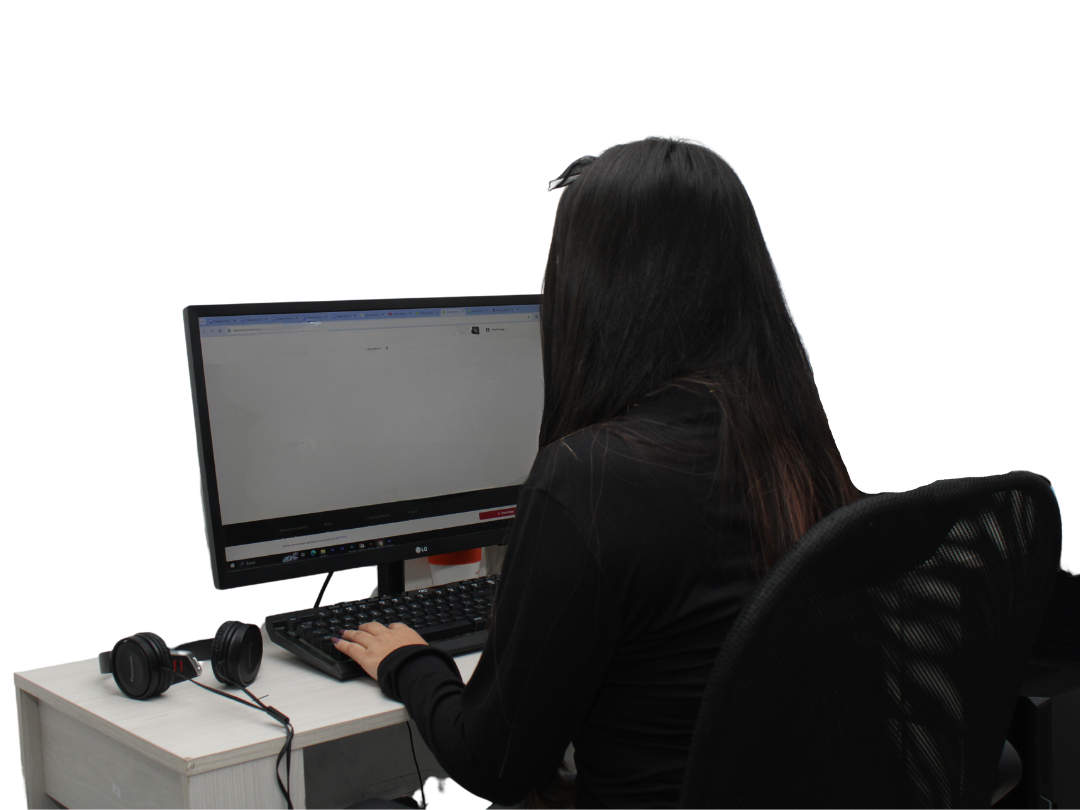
[(372, 642)]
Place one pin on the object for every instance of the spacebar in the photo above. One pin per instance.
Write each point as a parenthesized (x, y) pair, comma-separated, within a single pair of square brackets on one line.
[(437, 631)]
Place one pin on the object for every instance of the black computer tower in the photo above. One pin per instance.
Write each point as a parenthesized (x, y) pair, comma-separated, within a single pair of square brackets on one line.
[(1045, 731)]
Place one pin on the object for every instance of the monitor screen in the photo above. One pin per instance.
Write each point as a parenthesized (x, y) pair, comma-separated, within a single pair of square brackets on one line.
[(339, 434)]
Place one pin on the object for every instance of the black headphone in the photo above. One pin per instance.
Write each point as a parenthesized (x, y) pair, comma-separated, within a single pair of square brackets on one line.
[(143, 666)]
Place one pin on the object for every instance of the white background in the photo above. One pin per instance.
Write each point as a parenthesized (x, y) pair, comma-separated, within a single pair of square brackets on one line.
[(915, 171)]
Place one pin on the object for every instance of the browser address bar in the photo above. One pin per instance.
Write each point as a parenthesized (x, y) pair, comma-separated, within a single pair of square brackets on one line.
[(338, 326)]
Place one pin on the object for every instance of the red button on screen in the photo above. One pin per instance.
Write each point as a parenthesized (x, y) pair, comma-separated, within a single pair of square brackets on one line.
[(498, 513)]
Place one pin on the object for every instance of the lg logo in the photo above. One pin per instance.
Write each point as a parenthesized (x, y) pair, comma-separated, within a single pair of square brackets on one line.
[(421, 549)]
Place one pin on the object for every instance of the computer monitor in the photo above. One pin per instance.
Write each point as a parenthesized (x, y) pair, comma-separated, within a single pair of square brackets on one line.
[(333, 435)]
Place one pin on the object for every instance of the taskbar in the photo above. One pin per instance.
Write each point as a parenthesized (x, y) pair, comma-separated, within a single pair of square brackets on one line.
[(312, 554), (362, 540)]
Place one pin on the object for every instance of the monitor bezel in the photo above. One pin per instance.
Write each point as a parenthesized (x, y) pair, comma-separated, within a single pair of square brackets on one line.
[(424, 544)]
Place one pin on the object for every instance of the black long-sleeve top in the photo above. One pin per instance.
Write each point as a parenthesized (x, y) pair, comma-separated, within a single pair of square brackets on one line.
[(625, 567)]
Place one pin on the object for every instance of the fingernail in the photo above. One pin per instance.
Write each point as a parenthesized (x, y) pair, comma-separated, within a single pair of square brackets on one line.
[(335, 639)]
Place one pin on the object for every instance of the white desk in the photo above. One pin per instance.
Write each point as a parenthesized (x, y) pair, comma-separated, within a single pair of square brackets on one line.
[(84, 744)]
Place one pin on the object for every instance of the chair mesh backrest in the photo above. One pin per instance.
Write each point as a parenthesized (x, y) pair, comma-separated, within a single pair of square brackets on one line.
[(879, 661)]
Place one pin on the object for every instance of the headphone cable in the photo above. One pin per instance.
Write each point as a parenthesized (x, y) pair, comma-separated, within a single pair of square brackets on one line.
[(423, 798), (286, 750)]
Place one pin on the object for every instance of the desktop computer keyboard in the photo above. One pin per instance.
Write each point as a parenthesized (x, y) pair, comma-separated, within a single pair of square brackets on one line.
[(452, 617)]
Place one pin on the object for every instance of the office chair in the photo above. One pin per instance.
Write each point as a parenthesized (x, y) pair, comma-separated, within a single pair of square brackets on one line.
[(879, 662)]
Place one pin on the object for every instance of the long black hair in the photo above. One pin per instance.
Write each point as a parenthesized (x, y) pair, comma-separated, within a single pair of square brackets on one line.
[(658, 273)]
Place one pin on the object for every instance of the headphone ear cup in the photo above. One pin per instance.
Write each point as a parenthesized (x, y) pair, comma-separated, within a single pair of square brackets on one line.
[(217, 654), (139, 665), (236, 653)]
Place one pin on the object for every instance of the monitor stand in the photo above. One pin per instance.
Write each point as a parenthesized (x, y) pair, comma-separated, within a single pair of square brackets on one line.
[(391, 578)]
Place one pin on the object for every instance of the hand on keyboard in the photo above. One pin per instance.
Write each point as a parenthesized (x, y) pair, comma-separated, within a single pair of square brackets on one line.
[(372, 642), (453, 617)]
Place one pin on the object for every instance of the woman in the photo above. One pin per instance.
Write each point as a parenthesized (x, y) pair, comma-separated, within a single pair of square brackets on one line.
[(683, 449)]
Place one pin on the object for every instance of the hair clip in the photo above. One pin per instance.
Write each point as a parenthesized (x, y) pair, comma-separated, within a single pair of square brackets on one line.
[(571, 173)]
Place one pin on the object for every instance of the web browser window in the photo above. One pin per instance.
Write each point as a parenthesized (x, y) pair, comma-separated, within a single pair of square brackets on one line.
[(317, 412)]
